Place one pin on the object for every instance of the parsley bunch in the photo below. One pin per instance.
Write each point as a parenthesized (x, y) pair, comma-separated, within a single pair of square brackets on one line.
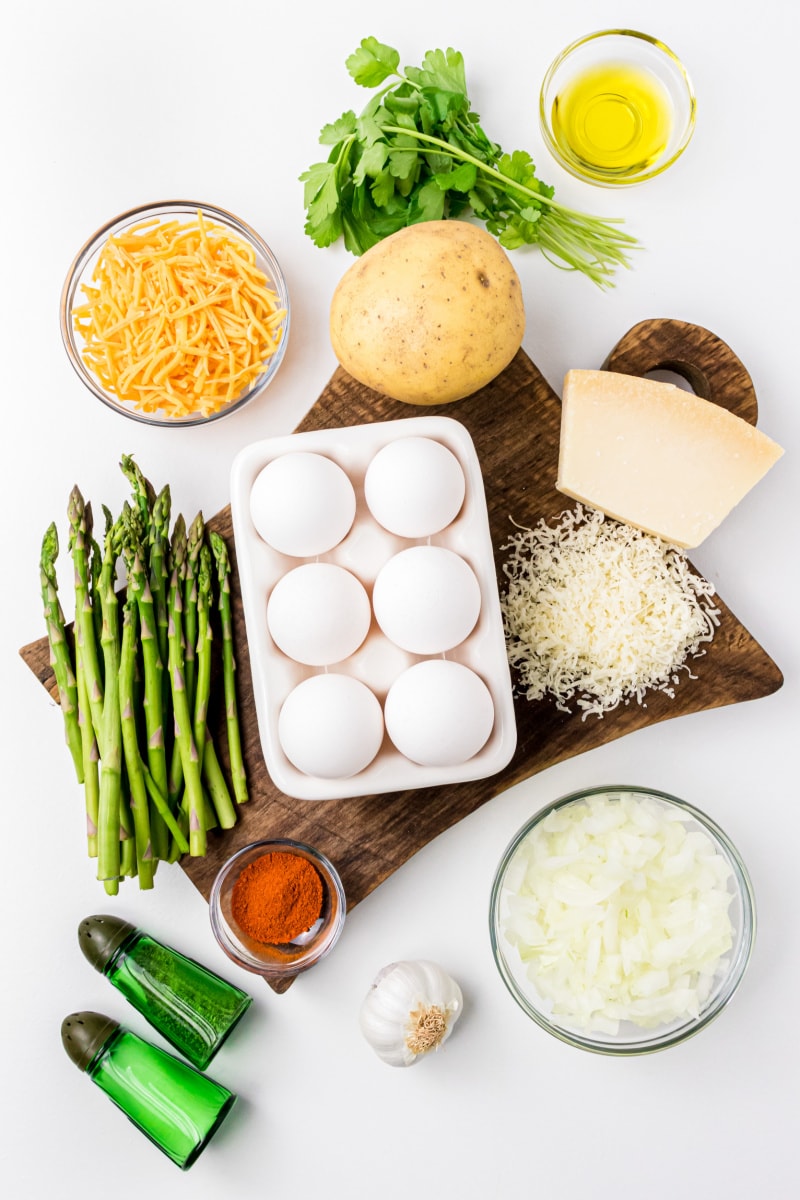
[(418, 153)]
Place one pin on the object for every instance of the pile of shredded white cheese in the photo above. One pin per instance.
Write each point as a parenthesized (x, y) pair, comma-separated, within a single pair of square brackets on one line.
[(598, 612), (620, 912)]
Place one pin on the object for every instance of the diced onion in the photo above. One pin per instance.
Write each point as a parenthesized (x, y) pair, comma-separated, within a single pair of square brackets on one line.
[(620, 912)]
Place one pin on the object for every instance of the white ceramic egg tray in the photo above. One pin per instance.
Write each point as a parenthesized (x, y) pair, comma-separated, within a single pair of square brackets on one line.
[(378, 662)]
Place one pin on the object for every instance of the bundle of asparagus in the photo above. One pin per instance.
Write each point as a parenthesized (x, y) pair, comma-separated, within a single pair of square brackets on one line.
[(134, 682)]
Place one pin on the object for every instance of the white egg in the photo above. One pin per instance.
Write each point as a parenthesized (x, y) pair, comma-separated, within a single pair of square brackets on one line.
[(331, 726), (302, 504), (439, 713), (426, 599), (414, 487), (318, 614)]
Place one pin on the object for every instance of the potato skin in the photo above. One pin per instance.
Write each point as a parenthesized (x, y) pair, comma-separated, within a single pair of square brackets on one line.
[(430, 314)]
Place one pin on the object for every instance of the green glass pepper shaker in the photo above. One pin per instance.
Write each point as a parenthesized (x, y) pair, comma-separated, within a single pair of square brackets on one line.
[(190, 1006), (170, 1102)]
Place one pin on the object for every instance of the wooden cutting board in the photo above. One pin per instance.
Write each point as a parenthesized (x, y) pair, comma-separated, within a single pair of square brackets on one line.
[(515, 424)]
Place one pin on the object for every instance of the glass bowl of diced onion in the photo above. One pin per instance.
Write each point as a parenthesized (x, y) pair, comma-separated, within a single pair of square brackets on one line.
[(622, 919), (175, 314)]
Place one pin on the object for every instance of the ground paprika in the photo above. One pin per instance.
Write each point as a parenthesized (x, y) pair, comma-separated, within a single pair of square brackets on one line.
[(277, 897)]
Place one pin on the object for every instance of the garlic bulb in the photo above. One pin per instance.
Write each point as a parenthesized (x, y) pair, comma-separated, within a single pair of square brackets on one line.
[(410, 1009)]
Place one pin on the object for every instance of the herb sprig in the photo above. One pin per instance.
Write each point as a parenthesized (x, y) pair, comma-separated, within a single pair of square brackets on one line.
[(418, 153)]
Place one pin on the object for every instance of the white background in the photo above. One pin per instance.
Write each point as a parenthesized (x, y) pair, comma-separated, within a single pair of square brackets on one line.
[(107, 105)]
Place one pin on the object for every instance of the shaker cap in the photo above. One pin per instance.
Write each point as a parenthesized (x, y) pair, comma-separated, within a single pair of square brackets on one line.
[(99, 937), (83, 1035)]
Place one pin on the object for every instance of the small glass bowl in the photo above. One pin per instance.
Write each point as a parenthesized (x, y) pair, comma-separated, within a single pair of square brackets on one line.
[(631, 1039), (81, 273), (277, 961), (628, 49)]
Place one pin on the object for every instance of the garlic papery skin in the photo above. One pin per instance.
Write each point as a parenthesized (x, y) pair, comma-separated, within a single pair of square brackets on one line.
[(410, 1010)]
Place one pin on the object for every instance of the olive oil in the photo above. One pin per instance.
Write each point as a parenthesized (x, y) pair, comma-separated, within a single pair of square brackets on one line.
[(613, 120)]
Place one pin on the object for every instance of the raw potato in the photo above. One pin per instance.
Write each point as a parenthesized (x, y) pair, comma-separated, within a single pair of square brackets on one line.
[(430, 314)]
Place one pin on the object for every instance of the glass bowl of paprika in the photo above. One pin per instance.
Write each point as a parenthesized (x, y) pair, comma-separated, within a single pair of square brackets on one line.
[(277, 907)]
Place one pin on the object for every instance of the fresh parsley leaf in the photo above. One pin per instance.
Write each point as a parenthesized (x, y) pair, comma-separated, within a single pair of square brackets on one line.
[(371, 162), (403, 163), (405, 120), (398, 103), (520, 167), (365, 223), (324, 227), (516, 231), (383, 189), (461, 179), (369, 129), (443, 107), (320, 186), (345, 127), (442, 69), (372, 63), (427, 204), (357, 236)]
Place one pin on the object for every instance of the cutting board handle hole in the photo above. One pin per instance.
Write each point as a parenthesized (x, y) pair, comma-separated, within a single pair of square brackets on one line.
[(663, 375), (695, 355)]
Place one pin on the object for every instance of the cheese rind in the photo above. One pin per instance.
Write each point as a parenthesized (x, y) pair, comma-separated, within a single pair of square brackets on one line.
[(655, 456)]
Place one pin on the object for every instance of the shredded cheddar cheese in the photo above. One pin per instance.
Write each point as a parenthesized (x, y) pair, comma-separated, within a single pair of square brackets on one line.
[(598, 612), (178, 320)]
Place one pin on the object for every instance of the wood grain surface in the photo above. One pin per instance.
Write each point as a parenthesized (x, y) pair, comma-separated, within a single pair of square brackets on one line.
[(515, 424)]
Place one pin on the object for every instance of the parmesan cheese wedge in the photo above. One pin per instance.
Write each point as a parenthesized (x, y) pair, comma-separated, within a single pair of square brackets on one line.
[(657, 457)]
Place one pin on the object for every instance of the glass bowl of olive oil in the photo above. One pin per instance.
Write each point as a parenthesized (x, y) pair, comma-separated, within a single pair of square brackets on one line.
[(617, 107)]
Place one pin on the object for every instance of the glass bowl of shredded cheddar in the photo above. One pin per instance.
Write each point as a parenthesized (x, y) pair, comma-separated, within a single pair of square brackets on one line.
[(175, 314)]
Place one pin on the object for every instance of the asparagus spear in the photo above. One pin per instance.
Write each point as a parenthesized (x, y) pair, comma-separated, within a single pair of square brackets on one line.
[(91, 756), (238, 775), (140, 808), (160, 802), (208, 820), (87, 620), (212, 771), (84, 619), (148, 689), (177, 559), (184, 735), (194, 540), (143, 493), (155, 558), (60, 653), (204, 641), (139, 590), (127, 839), (218, 790), (110, 812), (95, 563), (158, 541)]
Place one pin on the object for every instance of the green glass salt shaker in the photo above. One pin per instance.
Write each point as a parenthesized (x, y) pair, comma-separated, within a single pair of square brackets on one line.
[(170, 1102), (190, 1006)]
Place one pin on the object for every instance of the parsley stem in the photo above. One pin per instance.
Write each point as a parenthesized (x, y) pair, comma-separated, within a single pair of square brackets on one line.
[(454, 152)]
